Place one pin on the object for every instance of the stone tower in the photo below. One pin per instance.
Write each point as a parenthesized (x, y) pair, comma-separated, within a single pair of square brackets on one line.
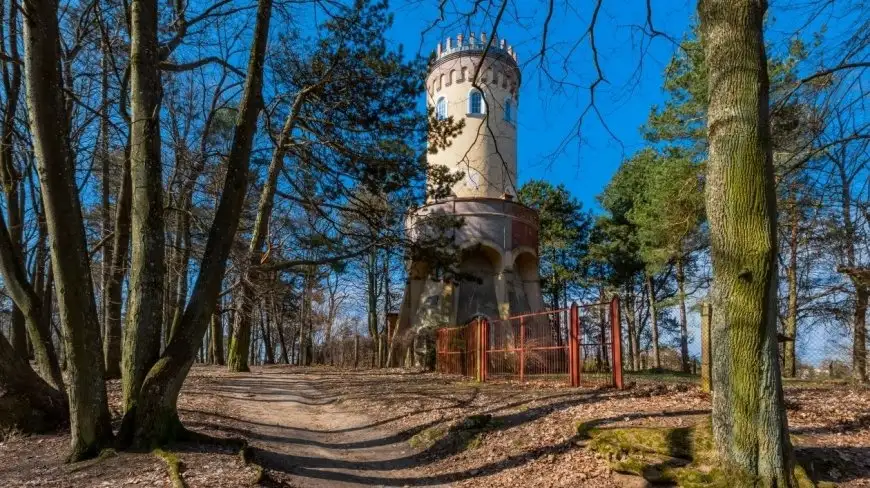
[(499, 237)]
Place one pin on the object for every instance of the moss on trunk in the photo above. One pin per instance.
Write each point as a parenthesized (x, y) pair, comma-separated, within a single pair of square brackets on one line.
[(749, 420)]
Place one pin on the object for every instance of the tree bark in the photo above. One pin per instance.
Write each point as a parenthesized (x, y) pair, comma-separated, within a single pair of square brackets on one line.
[(28, 302), (749, 423), (120, 246), (145, 290), (654, 323), (240, 341), (684, 327), (9, 174), (27, 403), (154, 419), (789, 359), (217, 338), (89, 413)]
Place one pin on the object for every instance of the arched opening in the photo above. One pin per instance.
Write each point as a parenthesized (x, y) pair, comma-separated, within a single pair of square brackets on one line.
[(476, 105), (477, 296), (524, 285)]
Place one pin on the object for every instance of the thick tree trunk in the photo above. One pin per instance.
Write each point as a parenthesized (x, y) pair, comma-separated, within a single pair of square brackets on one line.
[(154, 419), (684, 326), (145, 294), (89, 412), (749, 422), (653, 320), (27, 403)]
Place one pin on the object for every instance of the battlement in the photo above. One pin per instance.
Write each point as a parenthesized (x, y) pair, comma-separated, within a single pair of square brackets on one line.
[(476, 44)]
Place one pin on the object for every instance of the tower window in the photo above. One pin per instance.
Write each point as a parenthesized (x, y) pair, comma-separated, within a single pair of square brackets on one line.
[(475, 102), (509, 110), (441, 109)]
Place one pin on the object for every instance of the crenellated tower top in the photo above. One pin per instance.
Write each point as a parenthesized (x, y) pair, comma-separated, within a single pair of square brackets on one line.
[(472, 43)]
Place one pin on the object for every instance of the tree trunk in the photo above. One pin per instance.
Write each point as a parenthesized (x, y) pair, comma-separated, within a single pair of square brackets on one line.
[(266, 326), (684, 327), (105, 191), (749, 422), (859, 346), (217, 338), (145, 290), (154, 420), (89, 413), (240, 340), (114, 303), (27, 403), (789, 359), (28, 302), (10, 176), (654, 323)]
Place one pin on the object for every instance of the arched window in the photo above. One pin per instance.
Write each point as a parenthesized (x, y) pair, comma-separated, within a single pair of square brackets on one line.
[(509, 114), (475, 102), (441, 109)]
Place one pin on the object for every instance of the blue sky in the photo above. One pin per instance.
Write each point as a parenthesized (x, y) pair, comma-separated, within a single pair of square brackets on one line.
[(550, 147)]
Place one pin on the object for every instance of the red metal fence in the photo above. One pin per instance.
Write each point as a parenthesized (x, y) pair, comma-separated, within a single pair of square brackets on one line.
[(576, 342)]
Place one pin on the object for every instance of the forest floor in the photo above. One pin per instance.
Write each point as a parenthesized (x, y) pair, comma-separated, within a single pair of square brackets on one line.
[(324, 427)]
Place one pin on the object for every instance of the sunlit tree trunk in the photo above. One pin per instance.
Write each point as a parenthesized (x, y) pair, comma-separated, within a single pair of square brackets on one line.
[(89, 413), (749, 422)]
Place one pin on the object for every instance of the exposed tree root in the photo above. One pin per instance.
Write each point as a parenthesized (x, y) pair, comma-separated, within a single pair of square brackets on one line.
[(173, 467)]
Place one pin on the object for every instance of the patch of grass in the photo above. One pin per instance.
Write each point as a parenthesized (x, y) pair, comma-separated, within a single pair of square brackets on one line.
[(173, 467)]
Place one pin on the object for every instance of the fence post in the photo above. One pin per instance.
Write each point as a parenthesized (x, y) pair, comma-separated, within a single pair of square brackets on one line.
[(616, 341), (574, 345), (706, 363), (484, 343), (522, 349)]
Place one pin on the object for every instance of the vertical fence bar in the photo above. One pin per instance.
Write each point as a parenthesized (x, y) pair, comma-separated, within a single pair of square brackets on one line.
[(522, 349), (574, 345), (482, 342), (616, 341)]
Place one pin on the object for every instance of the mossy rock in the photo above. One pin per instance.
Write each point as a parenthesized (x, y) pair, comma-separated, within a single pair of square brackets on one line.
[(674, 456), (464, 435), (427, 438)]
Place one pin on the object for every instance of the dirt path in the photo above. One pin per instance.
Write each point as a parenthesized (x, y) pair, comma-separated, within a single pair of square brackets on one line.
[(304, 436)]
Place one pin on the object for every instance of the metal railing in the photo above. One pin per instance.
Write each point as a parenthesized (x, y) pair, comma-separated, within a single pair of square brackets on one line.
[(575, 342)]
